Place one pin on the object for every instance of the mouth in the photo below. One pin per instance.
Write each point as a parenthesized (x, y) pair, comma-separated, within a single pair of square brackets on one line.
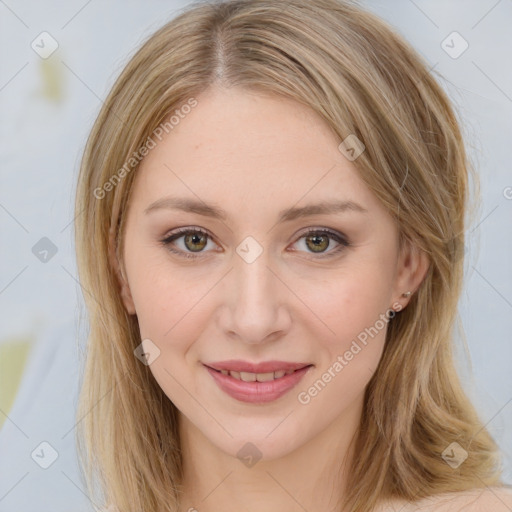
[(257, 387), (257, 377)]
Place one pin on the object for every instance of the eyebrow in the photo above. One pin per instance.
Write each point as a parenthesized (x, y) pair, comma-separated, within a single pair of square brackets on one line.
[(289, 214)]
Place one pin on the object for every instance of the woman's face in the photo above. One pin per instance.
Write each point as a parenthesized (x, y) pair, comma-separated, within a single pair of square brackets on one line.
[(278, 278)]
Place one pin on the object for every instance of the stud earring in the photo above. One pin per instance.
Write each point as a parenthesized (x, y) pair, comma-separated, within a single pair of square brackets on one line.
[(405, 294)]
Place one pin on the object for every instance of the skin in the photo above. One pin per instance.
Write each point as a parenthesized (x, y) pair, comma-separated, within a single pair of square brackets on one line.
[(254, 155)]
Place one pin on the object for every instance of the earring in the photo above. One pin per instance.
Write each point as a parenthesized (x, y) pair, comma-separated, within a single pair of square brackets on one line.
[(405, 294)]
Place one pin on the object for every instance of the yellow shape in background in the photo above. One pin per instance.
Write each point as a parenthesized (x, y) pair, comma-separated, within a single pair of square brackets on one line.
[(52, 80), (13, 357)]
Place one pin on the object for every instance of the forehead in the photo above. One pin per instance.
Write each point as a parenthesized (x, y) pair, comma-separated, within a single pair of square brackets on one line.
[(235, 146)]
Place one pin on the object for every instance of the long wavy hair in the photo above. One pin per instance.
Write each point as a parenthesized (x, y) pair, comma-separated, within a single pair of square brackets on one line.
[(363, 79)]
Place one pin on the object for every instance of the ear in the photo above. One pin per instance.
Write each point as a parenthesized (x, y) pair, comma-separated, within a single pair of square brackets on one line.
[(412, 266), (126, 295)]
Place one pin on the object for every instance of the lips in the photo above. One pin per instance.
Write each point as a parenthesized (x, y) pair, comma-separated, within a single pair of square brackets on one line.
[(257, 388)]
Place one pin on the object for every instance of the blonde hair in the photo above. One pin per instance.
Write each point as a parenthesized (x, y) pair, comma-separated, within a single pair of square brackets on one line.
[(363, 79)]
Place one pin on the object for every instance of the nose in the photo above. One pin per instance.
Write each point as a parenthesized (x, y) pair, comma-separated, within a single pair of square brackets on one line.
[(256, 307)]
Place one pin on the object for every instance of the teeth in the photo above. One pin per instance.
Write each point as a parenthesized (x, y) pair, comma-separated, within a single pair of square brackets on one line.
[(260, 377), (248, 377)]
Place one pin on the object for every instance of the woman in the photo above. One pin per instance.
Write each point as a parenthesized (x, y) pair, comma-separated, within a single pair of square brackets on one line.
[(277, 193)]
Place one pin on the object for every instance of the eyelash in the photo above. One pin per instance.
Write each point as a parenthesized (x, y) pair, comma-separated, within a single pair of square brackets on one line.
[(343, 243)]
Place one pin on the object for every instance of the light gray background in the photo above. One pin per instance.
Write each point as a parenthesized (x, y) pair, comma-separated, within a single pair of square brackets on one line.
[(40, 146)]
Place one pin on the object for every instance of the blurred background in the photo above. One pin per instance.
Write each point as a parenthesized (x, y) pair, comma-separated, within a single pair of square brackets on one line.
[(58, 61)]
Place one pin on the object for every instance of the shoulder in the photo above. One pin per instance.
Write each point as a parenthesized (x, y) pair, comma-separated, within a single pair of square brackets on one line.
[(488, 499), (495, 499)]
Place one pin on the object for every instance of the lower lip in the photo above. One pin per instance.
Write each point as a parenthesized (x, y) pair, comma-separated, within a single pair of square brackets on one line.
[(257, 392)]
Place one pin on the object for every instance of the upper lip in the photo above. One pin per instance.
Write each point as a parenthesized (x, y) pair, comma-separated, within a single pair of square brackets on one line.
[(237, 365)]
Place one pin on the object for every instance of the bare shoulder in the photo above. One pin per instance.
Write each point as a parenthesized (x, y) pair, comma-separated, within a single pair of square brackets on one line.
[(489, 499)]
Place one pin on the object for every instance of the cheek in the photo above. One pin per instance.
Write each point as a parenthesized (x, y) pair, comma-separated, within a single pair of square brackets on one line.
[(173, 309), (349, 350), (166, 306), (353, 309), (170, 314), (348, 303)]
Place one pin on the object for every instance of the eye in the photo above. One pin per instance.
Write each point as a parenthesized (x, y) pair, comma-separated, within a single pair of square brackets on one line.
[(319, 240), (196, 239)]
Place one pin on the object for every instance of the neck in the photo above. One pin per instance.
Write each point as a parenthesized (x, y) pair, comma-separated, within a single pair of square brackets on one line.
[(310, 477)]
